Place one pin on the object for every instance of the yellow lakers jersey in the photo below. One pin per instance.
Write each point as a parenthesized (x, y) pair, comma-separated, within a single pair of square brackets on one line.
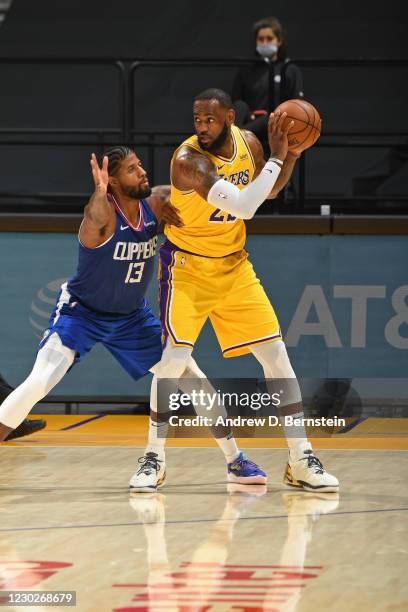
[(207, 230)]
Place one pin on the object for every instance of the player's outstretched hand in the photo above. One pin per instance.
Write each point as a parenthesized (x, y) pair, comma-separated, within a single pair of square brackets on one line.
[(278, 134), (170, 214), (100, 175), (163, 208)]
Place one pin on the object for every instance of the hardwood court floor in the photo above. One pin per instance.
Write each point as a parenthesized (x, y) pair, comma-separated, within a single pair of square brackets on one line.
[(68, 523), (122, 430)]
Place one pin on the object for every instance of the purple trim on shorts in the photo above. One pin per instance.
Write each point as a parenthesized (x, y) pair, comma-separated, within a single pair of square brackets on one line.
[(166, 254), (231, 348)]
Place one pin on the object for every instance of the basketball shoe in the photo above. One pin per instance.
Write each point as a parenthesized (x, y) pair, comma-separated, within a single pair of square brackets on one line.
[(244, 471), (27, 427), (150, 476), (308, 473)]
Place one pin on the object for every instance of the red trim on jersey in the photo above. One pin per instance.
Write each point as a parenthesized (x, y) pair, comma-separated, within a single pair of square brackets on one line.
[(140, 225)]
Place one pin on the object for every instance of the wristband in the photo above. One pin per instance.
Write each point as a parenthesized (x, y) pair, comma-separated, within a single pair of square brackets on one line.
[(276, 161)]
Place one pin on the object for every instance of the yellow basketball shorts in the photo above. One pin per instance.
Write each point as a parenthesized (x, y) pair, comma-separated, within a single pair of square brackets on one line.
[(225, 289)]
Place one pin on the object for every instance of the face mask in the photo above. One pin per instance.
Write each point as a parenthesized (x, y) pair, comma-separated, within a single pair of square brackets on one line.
[(267, 50)]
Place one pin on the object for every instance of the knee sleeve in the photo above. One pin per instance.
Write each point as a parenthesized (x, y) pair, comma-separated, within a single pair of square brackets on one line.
[(274, 359), (173, 362), (53, 361), (276, 365), (193, 371)]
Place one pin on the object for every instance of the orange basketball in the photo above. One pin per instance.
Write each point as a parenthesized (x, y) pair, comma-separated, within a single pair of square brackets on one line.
[(306, 130)]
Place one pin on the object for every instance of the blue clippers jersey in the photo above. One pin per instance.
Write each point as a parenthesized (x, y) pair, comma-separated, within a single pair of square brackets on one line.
[(113, 277)]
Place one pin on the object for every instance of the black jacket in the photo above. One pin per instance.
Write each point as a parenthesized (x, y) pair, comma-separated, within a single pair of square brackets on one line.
[(252, 84)]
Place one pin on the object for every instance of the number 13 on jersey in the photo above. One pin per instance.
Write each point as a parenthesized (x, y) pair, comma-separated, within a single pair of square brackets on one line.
[(135, 272)]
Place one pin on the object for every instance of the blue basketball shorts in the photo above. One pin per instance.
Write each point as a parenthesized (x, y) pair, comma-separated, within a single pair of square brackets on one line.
[(134, 340)]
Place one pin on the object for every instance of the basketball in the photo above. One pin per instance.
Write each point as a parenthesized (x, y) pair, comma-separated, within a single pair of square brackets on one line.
[(306, 130)]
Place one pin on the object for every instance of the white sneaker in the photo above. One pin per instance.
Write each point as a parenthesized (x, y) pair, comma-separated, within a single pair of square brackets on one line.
[(150, 476), (308, 473)]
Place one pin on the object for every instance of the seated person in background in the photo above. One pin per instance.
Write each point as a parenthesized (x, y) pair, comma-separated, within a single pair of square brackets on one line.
[(258, 89)]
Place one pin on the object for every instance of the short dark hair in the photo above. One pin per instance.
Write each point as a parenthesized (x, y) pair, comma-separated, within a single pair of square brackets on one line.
[(275, 25), (213, 93), (115, 157)]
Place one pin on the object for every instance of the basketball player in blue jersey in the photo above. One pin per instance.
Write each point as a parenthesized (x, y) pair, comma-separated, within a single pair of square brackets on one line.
[(104, 302)]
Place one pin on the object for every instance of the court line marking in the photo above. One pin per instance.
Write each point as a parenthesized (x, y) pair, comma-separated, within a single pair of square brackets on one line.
[(94, 418), (201, 520)]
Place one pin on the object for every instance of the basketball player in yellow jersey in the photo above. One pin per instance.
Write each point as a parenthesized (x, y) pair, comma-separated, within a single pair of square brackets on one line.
[(219, 178)]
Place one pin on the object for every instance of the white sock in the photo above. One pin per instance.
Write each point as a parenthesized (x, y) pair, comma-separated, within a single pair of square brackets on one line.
[(296, 438), (157, 438), (157, 429), (229, 447)]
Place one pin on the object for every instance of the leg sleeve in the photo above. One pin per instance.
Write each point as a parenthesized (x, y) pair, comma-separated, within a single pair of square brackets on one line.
[(53, 361)]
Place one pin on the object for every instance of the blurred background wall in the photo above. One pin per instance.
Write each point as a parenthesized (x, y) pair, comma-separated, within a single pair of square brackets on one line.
[(298, 272), (69, 96)]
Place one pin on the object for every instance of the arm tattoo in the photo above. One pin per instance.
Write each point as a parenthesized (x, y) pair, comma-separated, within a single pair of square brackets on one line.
[(197, 171)]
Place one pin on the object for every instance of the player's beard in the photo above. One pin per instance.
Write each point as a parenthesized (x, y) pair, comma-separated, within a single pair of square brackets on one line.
[(218, 142), (137, 194)]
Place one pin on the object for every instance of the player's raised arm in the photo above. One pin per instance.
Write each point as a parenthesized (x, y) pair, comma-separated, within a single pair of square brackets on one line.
[(98, 211), (258, 154), (99, 216), (194, 171)]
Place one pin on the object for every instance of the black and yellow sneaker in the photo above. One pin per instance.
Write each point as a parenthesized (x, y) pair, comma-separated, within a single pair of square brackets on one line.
[(309, 474)]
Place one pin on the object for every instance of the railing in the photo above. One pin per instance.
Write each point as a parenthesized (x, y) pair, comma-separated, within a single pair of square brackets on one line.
[(127, 134)]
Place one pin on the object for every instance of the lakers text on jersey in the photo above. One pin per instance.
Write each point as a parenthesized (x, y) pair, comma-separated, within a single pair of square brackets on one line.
[(208, 230)]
